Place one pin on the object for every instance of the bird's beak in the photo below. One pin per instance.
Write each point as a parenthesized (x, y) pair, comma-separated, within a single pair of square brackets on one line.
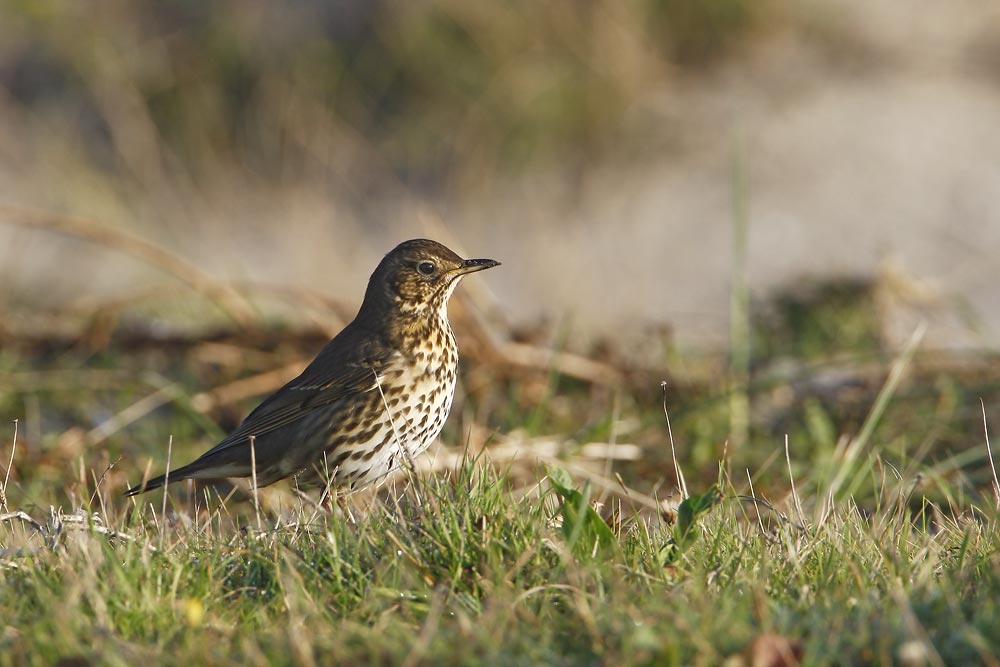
[(473, 265)]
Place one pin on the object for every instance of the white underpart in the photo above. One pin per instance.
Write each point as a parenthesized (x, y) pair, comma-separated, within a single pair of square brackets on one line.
[(403, 435)]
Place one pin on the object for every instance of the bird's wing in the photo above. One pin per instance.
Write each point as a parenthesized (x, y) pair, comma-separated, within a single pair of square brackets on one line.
[(337, 372)]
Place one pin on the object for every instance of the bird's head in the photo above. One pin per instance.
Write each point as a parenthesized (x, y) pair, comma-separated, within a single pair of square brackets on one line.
[(417, 277)]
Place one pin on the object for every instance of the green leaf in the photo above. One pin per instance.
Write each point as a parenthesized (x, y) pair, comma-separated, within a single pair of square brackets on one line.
[(686, 531), (693, 507), (560, 481), (582, 526)]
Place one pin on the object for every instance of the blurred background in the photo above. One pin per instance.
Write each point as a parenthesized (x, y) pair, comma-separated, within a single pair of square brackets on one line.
[(644, 169), (591, 146)]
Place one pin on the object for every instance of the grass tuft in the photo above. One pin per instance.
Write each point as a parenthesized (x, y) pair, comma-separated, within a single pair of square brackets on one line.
[(459, 569)]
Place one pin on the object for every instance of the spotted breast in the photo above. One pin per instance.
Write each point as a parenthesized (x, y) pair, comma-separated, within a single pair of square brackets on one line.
[(405, 413)]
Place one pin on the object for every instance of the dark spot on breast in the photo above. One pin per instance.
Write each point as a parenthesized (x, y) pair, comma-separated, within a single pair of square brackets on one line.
[(334, 463), (367, 434)]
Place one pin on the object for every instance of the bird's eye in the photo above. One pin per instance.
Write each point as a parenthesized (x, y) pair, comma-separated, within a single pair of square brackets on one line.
[(426, 268)]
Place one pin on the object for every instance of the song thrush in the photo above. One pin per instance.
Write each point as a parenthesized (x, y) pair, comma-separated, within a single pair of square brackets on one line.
[(375, 397)]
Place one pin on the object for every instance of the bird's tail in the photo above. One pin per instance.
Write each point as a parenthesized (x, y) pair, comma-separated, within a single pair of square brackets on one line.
[(149, 485), (184, 472)]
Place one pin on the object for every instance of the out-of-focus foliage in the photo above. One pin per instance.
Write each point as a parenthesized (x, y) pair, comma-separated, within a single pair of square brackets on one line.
[(426, 90)]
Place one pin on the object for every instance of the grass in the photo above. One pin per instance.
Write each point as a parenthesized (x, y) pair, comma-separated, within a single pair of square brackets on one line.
[(479, 565), (457, 569)]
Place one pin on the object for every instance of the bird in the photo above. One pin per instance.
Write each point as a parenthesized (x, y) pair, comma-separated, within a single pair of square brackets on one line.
[(374, 398)]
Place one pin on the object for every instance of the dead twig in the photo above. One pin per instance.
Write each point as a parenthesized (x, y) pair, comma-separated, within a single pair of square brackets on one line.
[(224, 296), (23, 517), (59, 523)]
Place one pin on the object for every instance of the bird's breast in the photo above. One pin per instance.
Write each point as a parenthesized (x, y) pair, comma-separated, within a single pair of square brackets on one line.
[(410, 404)]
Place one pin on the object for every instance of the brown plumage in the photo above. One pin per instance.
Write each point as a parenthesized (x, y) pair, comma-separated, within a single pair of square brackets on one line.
[(374, 397)]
